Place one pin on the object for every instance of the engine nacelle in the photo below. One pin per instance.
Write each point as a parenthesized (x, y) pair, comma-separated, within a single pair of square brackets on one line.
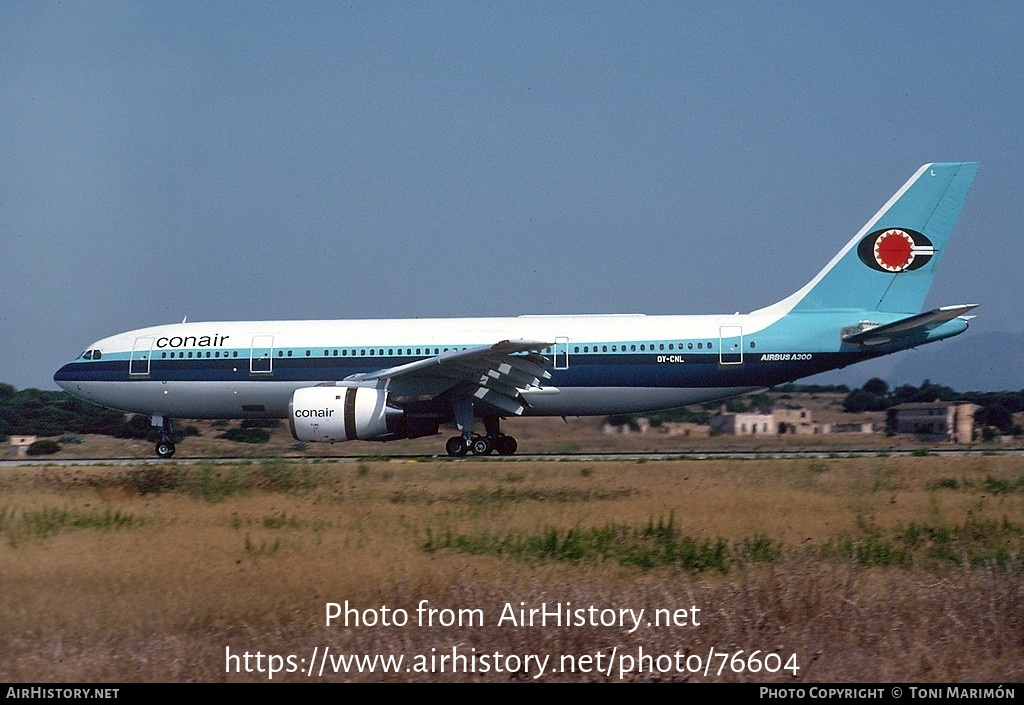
[(332, 414)]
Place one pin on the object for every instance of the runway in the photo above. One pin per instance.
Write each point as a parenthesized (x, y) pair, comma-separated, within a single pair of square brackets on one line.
[(562, 457)]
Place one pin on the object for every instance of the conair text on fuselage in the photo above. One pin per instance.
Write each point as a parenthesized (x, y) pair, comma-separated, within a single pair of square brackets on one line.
[(192, 341)]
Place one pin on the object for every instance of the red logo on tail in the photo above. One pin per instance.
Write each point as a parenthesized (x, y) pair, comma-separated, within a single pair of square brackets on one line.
[(895, 250)]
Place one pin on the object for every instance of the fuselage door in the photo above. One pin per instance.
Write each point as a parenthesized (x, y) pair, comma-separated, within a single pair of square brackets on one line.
[(561, 353), (261, 357), (730, 345), (138, 365)]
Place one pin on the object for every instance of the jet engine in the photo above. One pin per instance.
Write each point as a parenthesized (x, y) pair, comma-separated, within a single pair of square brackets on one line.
[(331, 414)]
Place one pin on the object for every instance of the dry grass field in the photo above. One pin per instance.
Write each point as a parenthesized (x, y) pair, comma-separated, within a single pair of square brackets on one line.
[(535, 436), (809, 570)]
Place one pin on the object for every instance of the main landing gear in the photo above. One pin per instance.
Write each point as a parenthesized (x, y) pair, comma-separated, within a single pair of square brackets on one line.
[(494, 440), (458, 446), (164, 446)]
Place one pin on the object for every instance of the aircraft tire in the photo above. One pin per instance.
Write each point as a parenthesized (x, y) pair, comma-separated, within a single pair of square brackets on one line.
[(164, 449), (482, 445), (506, 445), (456, 446)]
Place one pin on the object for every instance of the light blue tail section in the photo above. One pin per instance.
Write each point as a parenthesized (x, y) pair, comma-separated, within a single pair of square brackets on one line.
[(890, 264)]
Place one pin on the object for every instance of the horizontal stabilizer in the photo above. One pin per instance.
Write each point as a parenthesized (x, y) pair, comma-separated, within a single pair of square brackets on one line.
[(907, 327)]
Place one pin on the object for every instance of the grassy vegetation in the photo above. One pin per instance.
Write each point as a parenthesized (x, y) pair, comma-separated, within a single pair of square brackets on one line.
[(989, 484), (659, 544), (19, 525), (977, 544), (867, 569), (214, 483)]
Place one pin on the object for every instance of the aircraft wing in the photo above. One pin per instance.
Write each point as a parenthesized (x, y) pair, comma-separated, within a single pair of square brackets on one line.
[(907, 327), (490, 373)]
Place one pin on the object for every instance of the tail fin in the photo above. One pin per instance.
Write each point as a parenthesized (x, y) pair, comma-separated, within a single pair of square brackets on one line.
[(889, 265)]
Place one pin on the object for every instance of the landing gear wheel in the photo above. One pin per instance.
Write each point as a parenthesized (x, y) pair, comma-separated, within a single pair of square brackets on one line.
[(456, 446), (506, 445), (482, 445), (164, 449)]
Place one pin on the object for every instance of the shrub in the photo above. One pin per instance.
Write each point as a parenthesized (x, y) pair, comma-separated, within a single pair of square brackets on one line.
[(246, 435), (44, 447), (261, 423)]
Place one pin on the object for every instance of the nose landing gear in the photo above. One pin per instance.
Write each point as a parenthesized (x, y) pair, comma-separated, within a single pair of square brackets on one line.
[(164, 446), (165, 449)]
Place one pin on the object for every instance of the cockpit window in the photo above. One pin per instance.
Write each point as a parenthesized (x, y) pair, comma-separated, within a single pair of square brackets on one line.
[(87, 355), (96, 354)]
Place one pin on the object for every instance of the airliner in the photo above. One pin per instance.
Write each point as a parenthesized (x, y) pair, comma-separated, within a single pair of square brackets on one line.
[(383, 380)]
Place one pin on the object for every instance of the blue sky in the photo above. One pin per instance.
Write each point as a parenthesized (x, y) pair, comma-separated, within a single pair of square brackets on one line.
[(239, 160)]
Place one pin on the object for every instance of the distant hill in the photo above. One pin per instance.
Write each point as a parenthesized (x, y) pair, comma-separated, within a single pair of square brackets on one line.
[(987, 362), (979, 362)]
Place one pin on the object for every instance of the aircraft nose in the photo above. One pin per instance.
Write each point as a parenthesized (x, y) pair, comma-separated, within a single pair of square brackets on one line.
[(64, 378)]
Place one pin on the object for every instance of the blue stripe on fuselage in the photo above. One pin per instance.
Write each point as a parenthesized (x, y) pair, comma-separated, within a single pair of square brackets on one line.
[(758, 368)]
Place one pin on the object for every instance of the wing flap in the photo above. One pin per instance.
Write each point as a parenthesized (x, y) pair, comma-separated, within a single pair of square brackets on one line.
[(499, 401)]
